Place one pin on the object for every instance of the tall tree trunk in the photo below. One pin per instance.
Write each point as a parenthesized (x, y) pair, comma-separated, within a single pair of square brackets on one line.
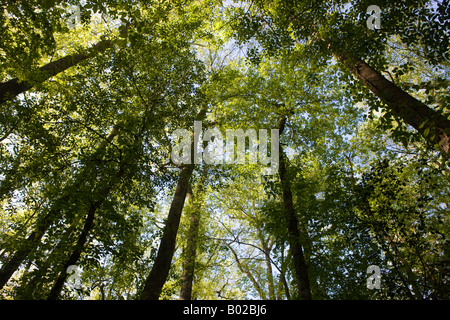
[(82, 239), (432, 125), (89, 223), (190, 251), (43, 223), (14, 87), (301, 271), (160, 270)]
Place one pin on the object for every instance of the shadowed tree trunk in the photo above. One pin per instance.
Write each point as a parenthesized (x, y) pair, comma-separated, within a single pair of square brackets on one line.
[(14, 87), (160, 270), (432, 125), (190, 251), (89, 223), (82, 239), (35, 284), (301, 271), (30, 243), (95, 204)]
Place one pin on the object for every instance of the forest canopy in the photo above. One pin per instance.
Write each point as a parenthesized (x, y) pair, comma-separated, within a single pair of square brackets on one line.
[(208, 149)]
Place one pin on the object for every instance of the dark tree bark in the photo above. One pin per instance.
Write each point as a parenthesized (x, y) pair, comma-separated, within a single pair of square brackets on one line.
[(89, 223), (301, 270), (190, 251), (160, 270), (14, 87), (82, 239), (187, 278), (35, 284), (432, 125)]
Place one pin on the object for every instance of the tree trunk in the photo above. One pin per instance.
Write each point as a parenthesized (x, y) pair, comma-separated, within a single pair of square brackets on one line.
[(160, 270), (89, 223), (190, 252), (301, 271), (36, 283), (14, 87), (82, 239), (432, 125)]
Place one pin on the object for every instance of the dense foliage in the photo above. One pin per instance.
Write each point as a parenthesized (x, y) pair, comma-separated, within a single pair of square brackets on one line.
[(87, 112)]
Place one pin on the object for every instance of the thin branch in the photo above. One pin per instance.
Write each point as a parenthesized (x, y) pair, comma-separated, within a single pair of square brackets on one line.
[(230, 241)]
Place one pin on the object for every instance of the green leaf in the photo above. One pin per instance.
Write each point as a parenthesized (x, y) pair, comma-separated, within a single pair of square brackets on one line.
[(423, 123)]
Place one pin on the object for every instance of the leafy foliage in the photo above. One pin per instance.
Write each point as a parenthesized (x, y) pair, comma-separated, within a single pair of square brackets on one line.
[(94, 141)]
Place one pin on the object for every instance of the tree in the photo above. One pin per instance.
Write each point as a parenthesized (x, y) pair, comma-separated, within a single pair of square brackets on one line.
[(161, 266), (44, 221), (270, 24), (401, 217), (190, 251), (301, 271), (48, 15), (160, 269), (134, 129), (87, 178), (14, 87)]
